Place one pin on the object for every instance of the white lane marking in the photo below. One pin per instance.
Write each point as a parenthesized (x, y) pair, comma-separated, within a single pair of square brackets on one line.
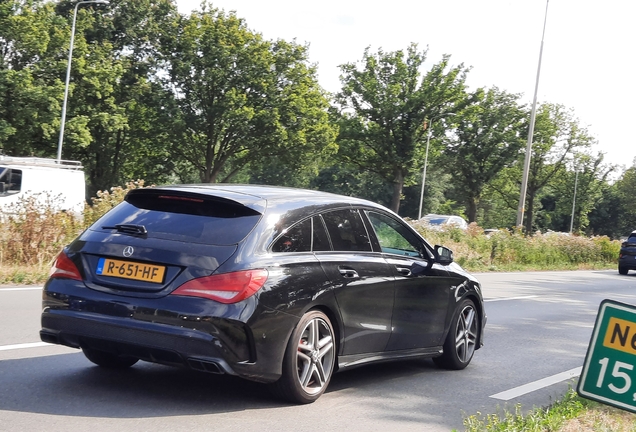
[(536, 385), (24, 345), (510, 298), (21, 289)]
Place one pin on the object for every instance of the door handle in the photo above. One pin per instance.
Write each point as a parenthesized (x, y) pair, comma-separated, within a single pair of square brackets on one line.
[(348, 273), (406, 271)]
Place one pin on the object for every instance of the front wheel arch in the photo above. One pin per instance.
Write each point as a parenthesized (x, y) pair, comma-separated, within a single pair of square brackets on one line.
[(463, 337)]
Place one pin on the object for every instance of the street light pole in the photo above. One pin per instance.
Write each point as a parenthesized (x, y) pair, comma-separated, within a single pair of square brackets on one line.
[(68, 75), (526, 165), (428, 141), (576, 182)]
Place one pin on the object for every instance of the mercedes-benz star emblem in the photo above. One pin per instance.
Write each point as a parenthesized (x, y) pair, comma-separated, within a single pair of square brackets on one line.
[(128, 251)]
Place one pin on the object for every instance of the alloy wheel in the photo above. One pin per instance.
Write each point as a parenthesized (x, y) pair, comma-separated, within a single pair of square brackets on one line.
[(466, 334), (315, 356)]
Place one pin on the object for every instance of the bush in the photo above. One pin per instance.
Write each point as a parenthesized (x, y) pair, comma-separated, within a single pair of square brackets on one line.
[(32, 233), (511, 250)]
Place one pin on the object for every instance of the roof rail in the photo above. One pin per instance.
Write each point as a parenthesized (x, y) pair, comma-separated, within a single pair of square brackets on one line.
[(40, 162)]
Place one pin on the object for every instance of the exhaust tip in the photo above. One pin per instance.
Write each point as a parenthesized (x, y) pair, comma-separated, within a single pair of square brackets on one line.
[(49, 337), (205, 366)]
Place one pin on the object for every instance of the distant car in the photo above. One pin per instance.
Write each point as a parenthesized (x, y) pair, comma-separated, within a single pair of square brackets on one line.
[(627, 256), (276, 285), (442, 221)]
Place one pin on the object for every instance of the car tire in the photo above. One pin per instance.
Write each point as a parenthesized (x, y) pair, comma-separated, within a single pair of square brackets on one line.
[(309, 360), (623, 270), (108, 360), (461, 341)]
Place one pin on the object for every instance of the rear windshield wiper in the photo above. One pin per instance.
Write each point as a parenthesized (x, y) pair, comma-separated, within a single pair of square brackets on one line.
[(129, 229)]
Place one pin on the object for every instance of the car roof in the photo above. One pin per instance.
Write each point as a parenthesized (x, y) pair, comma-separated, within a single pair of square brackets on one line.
[(258, 197)]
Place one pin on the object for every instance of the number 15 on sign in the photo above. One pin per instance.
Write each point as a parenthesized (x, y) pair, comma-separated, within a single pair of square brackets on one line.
[(608, 373)]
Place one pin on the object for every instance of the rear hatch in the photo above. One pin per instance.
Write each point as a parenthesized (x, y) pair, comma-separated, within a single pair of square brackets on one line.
[(159, 238), (628, 247)]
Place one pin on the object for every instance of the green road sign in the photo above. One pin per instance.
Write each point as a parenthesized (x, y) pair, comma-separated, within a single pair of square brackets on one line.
[(609, 372)]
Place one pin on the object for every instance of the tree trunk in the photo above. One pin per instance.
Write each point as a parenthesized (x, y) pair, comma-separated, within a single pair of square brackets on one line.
[(529, 212), (472, 209), (398, 184)]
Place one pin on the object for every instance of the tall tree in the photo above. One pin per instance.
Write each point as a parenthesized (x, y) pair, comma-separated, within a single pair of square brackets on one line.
[(120, 115), (557, 136), (29, 98), (625, 187), (243, 99), (384, 102), (579, 191), (487, 138)]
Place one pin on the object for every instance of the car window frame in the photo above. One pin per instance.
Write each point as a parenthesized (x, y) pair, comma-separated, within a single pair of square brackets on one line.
[(362, 217), (426, 248), (315, 221)]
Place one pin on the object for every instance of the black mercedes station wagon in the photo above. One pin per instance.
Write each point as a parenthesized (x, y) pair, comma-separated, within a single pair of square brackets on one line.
[(277, 285)]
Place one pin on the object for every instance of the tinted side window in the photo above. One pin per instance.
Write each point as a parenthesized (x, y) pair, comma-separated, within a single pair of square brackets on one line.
[(295, 239), (393, 236), (347, 231), (298, 238)]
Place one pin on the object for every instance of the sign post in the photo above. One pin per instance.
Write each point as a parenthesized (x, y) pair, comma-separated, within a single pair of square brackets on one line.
[(609, 371)]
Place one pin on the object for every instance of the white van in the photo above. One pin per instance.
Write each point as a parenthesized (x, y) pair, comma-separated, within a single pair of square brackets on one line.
[(62, 181)]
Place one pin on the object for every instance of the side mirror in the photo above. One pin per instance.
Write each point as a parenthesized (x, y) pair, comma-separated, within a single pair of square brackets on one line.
[(443, 255)]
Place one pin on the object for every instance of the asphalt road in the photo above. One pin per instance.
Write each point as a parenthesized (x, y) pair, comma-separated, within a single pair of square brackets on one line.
[(539, 325)]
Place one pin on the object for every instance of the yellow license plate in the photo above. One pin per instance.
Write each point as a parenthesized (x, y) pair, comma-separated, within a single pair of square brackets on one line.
[(130, 270)]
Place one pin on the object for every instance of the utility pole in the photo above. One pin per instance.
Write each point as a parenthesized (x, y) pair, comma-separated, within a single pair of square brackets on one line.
[(533, 114)]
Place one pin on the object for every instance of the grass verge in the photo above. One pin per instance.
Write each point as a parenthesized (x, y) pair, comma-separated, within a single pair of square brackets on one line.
[(570, 414)]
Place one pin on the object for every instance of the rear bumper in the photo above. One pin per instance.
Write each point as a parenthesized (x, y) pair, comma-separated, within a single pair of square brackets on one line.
[(174, 330), (150, 342), (627, 262)]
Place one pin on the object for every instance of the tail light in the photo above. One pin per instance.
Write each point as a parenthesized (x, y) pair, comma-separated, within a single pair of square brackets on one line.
[(225, 288), (63, 267)]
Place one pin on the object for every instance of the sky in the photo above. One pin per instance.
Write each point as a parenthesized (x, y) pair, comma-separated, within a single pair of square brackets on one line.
[(588, 49)]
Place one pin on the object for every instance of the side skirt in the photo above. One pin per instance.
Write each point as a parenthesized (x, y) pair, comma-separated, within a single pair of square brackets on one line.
[(354, 360)]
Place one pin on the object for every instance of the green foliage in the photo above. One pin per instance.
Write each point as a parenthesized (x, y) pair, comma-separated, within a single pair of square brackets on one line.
[(551, 418), (509, 251), (383, 105), (487, 139), (106, 200), (187, 98), (29, 95), (244, 100)]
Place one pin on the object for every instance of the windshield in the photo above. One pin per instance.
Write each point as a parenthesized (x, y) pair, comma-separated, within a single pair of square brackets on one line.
[(436, 220), (10, 181)]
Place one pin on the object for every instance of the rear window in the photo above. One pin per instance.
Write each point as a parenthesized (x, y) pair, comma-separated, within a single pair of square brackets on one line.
[(191, 218)]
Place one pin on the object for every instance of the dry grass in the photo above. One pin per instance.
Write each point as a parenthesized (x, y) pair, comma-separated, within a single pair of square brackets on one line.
[(601, 419), (32, 233)]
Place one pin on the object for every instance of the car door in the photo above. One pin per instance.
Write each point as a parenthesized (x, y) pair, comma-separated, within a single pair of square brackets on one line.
[(363, 282), (422, 287)]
